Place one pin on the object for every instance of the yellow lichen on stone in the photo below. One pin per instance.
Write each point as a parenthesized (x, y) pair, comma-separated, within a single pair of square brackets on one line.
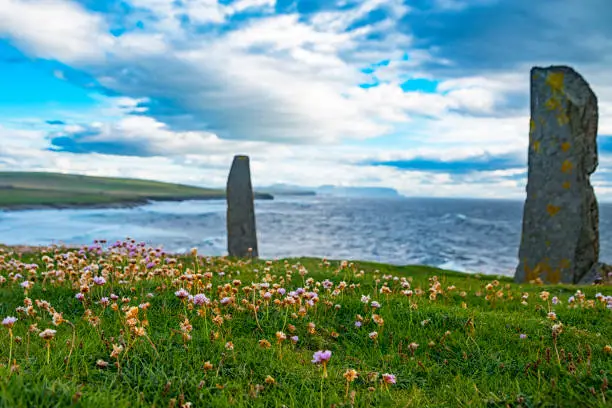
[(552, 103), (536, 146), (565, 146), (547, 243), (565, 263), (555, 80), (552, 209), (541, 268), (532, 126), (567, 166), (553, 275), (531, 274), (566, 185), (562, 119)]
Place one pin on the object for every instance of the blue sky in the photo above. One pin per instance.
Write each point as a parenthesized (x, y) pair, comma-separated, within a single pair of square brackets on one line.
[(426, 96)]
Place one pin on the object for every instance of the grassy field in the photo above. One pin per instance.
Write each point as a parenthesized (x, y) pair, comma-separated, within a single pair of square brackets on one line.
[(123, 325), (30, 189)]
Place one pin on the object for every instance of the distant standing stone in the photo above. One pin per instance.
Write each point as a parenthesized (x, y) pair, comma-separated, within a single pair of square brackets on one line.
[(241, 235), (560, 239)]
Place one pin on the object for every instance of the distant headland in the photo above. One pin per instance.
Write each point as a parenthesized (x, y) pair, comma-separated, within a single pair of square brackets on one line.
[(37, 190)]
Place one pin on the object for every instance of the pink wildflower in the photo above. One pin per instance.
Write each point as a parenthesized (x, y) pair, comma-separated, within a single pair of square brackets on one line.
[(181, 294), (9, 321), (99, 280), (389, 378), (320, 357)]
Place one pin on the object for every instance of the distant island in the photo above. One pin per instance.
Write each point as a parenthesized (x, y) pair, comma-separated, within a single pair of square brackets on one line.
[(357, 192), (32, 190), (287, 190), (330, 190)]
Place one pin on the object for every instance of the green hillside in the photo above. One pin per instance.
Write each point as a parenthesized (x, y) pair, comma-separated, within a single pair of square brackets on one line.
[(254, 336), (32, 189)]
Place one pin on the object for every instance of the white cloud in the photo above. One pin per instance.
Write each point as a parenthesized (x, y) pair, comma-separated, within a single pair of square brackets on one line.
[(55, 29)]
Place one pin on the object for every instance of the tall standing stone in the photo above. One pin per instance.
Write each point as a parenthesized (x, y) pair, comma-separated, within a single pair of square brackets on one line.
[(241, 235), (560, 239)]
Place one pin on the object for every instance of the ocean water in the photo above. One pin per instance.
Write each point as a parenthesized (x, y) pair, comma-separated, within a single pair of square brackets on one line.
[(465, 235)]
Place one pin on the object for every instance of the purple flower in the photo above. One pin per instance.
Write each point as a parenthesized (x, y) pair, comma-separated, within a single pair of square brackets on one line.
[(99, 280), (294, 339), (226, 300), (9, 321), (555, 300), (389, 378), (200, 299), (267, 296), (358, 324), (281, 291), (523, 336), (181, 294), (375, 304), (79, 296), (114, 297), (26, 284), (150, 265), (320, 356)]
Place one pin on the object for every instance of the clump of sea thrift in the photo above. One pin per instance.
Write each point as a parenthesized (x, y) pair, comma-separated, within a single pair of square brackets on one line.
[(322, 357), (47, 335), (350, 375), (9, 322), (388, 379)]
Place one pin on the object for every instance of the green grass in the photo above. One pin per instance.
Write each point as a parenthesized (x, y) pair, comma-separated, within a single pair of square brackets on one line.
[(31, 189), (476, 357)]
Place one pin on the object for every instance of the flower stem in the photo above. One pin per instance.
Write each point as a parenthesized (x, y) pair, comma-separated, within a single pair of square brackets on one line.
[(10, 347), (321, 391)]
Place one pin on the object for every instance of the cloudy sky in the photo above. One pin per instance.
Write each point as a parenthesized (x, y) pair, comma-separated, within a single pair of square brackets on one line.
[(426, 96)]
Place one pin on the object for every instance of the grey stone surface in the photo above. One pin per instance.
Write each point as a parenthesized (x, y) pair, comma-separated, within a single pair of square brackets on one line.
[(241, 233), (560, 237)]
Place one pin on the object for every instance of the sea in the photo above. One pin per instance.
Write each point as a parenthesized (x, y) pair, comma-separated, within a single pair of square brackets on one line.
[(478, 236)]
